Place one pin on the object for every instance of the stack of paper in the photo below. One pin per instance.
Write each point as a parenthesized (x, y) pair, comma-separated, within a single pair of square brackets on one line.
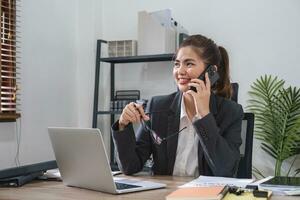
[(204, 181)]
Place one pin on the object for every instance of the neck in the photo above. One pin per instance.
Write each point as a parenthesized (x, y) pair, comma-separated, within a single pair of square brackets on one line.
[(189, 106)]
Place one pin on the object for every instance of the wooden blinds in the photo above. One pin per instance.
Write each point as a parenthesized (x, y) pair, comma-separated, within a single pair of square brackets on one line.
[(8, 67)]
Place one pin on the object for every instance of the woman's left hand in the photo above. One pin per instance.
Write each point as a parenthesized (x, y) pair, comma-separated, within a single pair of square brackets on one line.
[(202, 96)]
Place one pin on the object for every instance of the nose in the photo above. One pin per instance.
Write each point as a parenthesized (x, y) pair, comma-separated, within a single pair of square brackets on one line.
[(181, 69)]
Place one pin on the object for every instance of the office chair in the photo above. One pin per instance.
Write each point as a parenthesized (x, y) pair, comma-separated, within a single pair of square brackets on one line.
[(235, 91), (245, 165)]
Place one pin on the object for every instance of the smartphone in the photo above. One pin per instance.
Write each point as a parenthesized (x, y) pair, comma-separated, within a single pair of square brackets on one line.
[(212, 75)]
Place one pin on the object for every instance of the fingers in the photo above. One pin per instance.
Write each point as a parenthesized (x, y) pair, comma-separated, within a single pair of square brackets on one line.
[(201, 85), (140, 109), (207, 81), (132, 113), (129, 114), (198, 84)]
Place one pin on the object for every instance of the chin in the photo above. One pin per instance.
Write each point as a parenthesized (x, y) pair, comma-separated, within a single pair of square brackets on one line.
[(183, 88)]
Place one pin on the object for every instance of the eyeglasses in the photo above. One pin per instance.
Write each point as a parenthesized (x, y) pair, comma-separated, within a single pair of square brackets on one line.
[(155, 137), (157, 140)]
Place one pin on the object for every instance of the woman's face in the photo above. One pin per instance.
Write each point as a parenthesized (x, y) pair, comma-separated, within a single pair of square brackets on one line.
[(188, 65)]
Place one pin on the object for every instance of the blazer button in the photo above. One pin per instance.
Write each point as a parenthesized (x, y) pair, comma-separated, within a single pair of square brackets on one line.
[(204, 135)]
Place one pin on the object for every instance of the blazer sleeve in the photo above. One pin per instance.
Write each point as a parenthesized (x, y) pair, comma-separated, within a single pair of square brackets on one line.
[(222, 142), (132, 154)]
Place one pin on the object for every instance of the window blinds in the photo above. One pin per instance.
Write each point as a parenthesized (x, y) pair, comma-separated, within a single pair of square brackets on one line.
[(8, 68)]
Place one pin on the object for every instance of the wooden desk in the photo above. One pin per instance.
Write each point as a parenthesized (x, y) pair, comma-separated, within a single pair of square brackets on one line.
[(48, 190)]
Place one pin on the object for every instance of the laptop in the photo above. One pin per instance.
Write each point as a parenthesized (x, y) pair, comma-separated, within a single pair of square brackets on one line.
[(82, 161)]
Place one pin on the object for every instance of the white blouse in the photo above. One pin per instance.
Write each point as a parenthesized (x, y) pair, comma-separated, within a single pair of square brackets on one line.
[(186, 163)]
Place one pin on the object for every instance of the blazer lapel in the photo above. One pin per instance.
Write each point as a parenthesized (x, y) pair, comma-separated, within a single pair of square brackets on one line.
[(173, 127), (202, 164), (213, 104)]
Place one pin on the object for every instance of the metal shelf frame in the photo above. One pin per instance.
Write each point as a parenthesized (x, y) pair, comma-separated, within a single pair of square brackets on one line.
[(113, 61)]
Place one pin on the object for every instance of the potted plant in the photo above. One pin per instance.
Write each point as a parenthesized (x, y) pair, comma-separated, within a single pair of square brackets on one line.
[(277, 120)]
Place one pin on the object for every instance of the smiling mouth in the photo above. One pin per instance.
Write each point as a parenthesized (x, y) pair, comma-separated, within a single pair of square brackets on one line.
[(183, 81)]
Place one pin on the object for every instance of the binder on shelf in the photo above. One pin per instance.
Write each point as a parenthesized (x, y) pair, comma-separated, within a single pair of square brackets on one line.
[(122, 98), (127, 94)]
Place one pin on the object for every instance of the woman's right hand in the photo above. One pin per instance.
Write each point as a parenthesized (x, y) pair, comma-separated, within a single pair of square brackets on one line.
[(132, 113)]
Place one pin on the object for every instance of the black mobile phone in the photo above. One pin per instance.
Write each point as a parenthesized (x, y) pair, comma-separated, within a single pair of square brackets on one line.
[(213, 76)]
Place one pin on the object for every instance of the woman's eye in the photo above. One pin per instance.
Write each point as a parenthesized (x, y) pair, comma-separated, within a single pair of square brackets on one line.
[(190, 64), (176, 65)]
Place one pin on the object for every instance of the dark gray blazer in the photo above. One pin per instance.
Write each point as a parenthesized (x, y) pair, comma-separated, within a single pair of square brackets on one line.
[(220, 132)]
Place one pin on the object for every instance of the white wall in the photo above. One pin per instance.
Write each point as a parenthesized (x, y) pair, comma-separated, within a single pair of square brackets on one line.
[(58, 55), (88, 30), (48, 71), (261, 36), (57, 70)]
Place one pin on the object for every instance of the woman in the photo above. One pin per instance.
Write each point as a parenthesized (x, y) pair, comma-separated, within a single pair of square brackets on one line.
[(210, 122)]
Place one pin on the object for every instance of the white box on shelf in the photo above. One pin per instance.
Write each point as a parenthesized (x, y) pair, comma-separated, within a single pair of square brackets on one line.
[(154, 36)]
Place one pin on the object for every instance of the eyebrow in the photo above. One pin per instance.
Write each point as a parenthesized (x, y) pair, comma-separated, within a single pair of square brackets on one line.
[(186, 60)]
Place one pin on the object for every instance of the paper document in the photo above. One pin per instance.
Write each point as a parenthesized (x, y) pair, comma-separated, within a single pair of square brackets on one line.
[(115, 173), (52, 174), (204, 181)]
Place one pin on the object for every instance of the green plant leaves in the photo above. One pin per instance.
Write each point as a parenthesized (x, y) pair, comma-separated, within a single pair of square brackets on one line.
[(277, 118)]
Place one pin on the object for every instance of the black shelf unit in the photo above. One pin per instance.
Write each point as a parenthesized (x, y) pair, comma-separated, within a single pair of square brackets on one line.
[(135, 59), (113, 61)]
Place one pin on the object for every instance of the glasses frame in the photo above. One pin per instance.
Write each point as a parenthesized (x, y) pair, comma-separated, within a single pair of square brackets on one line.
[(155, 137)]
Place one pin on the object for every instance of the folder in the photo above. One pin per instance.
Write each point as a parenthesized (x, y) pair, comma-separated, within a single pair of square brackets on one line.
[(198, 193), (245, 196)]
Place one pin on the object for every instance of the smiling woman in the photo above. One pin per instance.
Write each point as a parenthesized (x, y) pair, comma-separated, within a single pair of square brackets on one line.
[(189, 132), (8, 56)]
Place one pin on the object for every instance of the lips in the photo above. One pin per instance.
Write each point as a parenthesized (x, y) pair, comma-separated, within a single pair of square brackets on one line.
[(183, 81)]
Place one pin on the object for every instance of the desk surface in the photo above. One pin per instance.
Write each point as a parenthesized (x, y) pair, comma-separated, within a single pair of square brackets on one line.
[(47, 190)]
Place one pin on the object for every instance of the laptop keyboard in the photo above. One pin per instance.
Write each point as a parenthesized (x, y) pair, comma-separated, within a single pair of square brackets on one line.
[(122, 186)]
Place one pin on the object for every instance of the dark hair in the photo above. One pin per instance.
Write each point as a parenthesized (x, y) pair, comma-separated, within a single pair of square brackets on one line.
[(211, 54)]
